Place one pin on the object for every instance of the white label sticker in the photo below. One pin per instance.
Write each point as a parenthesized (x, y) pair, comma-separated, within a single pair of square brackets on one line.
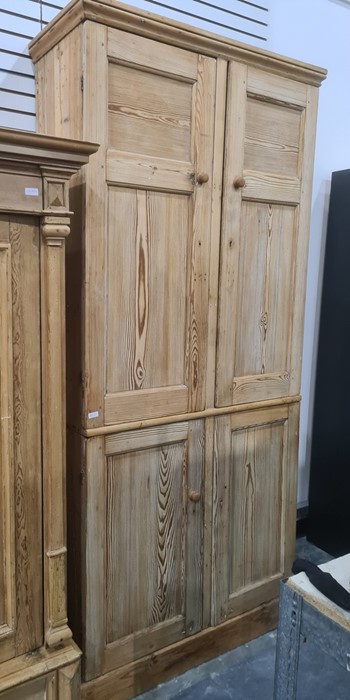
[(93, 414), (31, 191)]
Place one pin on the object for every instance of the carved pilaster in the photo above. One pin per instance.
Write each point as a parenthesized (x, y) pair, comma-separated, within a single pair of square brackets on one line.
[(54, 230), (55, 189)]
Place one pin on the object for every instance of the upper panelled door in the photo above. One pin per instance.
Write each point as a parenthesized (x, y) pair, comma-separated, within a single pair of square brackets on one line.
[(159, 171), (267, 182)]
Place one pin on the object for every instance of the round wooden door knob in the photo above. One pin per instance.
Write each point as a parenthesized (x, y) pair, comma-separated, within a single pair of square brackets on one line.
[(202, 178), (194, 496), (238, 183)]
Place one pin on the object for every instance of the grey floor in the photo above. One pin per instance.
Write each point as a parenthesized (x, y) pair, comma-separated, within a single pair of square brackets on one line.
[(247, 673)]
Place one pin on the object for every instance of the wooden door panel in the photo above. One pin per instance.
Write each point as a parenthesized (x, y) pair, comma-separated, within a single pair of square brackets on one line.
[(141, 51), (43, 688), (144, 561), (272, 150), (255, 473), (264, 239), (149, 113), (262, 334), (160, 140), (147, 302), (152, 586), (7, 541), (24, 237), (20, 446), (147, 308)]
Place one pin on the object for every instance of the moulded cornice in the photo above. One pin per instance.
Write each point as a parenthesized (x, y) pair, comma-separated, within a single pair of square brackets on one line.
[(131, 19), (37, 150)]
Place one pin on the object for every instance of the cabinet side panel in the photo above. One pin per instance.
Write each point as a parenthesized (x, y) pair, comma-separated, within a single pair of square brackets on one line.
[(75, 498), (307, 149), (59, 88), (75, 246), (95, 101)]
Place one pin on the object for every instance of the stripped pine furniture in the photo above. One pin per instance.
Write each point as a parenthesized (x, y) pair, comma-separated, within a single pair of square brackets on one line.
[(38, 658), (186, 283)]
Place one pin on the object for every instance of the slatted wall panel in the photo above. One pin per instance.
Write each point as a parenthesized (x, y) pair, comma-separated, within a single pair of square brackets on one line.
[(243, 20), (20, 20)]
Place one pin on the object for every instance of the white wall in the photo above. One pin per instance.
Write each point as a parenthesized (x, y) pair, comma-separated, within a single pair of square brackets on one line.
[(317, 31)]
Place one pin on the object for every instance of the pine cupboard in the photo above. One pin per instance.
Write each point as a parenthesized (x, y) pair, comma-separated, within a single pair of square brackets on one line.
[(185, 287), (38, 658)]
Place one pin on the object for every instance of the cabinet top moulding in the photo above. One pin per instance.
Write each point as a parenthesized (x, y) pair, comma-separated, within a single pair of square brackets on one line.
[(37, 150), (133, 20), (35, 171)]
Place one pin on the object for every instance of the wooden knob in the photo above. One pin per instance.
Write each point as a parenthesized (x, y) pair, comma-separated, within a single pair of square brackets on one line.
[(194, 496), (202, 178), (238, 183)]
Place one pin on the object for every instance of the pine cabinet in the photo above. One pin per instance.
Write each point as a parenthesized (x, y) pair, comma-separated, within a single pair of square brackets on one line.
[(38, 658), (185, 287)]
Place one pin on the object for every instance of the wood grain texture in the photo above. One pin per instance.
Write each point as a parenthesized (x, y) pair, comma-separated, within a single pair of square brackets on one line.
[(217, 189), (94, 558), (24, 238), (94, 65), (153, 540), (257, 339), (307, 149), (68, 681), (141, 565), (146, 312), (58, 82), (177, 658), (230, 226), (151, 550), (132, 49), (254, 478), (148, 113), (187, 314), (203, 145), (277, 149), (22, 669), (7, 474), (149, 172), (43, 688), (268, 246), (14, 188), (269, 86), (109, 430), (170, 32), (32, 404), (161, 331), (53, 232)]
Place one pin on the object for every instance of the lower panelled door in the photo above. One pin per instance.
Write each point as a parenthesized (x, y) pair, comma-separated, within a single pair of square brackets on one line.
[(144, 542), (255, 471)]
